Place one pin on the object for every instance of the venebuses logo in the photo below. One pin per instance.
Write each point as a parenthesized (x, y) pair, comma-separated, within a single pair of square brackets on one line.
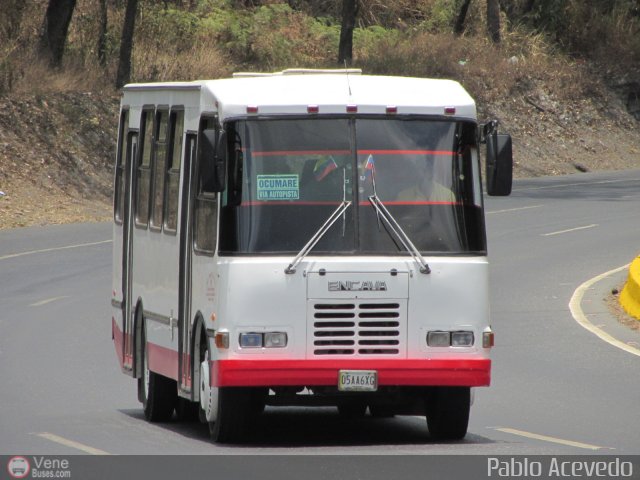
[(18, 467)]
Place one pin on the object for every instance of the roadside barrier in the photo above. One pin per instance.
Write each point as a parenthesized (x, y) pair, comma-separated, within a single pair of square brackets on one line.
[(630, 296)]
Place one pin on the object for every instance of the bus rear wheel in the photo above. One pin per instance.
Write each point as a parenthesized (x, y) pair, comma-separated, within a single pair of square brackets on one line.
[(157, 393), (447, 410)]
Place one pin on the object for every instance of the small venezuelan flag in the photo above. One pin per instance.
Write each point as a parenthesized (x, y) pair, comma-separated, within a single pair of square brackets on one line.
[(369, 167), (323, 167)]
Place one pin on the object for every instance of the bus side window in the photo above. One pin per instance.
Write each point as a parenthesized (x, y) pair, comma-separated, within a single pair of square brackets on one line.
[(206, 202), (159, 168), (176, 134), (121, 168), (143, 172)]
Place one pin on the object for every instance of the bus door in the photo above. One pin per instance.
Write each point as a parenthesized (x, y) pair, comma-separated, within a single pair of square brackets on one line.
[(127, 233), (184, 301)]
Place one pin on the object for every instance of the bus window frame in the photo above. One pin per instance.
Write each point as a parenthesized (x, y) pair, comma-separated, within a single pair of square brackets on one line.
[(120, 177), (200, 196), (139, 167), (172, 173), (153, 226)]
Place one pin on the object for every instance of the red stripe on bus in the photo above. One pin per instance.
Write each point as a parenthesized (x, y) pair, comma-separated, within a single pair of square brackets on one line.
[(427, 372), (405, 152), (407, 202), (279, 153), (163, 360), (272, 203), (117, 340), (285, 202)]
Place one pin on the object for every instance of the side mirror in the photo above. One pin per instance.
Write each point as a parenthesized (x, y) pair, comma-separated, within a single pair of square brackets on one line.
[(499, 167), (213, 160)]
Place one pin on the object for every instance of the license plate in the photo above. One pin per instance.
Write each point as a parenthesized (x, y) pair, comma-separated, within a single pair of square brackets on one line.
[(358, 381)]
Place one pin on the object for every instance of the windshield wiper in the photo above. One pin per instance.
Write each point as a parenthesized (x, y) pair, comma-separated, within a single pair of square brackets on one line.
[(342, 208), (395, 227)]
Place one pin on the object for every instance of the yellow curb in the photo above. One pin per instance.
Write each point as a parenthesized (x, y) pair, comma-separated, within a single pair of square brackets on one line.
[(630, 296)]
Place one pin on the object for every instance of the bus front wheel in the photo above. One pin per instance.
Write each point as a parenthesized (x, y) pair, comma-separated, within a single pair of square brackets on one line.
[(447, 410), (226, 410)]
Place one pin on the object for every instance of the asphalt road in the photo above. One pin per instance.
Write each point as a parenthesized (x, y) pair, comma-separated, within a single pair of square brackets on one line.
[(556, 387)]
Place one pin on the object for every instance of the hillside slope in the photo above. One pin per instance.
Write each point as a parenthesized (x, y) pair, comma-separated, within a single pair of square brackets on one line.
[(57, 149), (56, 155)]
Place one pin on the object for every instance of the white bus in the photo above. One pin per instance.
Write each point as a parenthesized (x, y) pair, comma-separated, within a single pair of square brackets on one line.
[(303, 238)]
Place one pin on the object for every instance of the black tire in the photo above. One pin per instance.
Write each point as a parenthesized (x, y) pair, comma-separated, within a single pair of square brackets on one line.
[(157, 393), (382, 411), (448, 412), (187, 411), (234, 414), (351, 409)]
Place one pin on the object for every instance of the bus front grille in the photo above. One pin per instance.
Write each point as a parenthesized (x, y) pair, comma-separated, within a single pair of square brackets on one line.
[(357, 328)]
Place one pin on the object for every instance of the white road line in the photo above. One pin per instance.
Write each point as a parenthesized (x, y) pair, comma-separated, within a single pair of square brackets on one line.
[(47, 300), (72, 444), (546, 438), (560, 232), (581, 318), (560, 185), (514, 209), (54, 249)]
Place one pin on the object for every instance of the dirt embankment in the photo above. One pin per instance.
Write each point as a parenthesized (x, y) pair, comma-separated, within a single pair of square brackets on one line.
[(56, 156), (57, 150)]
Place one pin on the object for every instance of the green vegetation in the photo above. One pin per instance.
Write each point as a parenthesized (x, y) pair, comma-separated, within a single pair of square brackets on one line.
[(210, 38)]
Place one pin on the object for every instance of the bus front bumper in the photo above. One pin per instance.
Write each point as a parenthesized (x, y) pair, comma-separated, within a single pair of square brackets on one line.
[(273, 373)]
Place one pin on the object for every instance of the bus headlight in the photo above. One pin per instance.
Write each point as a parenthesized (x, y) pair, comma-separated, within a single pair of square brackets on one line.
[(275, 339), (251, 340), (438, 339), (263, 340), (461, 339)]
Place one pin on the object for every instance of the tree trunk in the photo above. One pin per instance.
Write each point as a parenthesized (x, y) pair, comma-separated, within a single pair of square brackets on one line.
[(55, 29), (460, 24), (349, 13), (102, 34), (493, 20), (126, 44)]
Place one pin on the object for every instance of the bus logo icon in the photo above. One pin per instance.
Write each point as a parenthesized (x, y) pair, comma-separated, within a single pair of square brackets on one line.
[(18, 467)]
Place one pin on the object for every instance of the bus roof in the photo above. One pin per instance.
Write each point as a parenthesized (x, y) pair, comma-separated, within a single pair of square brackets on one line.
[(331, 92)]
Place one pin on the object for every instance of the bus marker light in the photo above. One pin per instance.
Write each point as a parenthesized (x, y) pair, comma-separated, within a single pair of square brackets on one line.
[(449, 110), (461, 339), (252, 109), (222, 339), (439, 339), (313, 109), (251, 340), (352, 109), (392, 109), (488, 340), (275, 339)]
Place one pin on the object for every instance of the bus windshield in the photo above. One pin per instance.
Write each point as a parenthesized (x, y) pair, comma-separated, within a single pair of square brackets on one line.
[(287, 176)]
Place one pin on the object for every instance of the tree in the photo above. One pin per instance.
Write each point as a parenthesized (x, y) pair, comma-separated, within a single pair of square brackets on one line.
[(493, 20), (349, 14), (55, 29), (460, 24), (102, 34), (126, 44)]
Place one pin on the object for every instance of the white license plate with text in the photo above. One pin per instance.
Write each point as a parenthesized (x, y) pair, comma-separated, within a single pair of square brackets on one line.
[(358, 380)]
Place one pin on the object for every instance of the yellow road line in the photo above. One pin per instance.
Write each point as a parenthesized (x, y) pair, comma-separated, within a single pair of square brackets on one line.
[(54, 249), (546, 438), (71, 443), (581, 318)]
